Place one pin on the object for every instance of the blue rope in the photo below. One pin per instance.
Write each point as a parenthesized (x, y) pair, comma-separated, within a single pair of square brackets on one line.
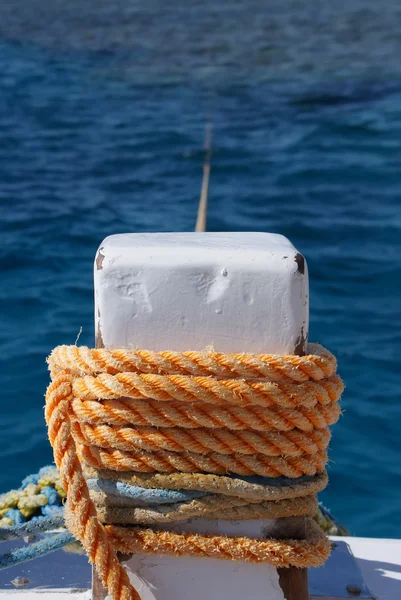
[(16, 515), (35, 526), (150, 497), (48, 544), (52, 511), (35, 477), (53, 499), (143, 496)]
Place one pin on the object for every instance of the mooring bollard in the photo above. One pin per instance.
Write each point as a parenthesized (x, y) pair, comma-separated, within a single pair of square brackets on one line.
[(236, 292)]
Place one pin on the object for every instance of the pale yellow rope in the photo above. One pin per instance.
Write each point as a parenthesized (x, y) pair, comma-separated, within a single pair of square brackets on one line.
[(215, 484), (116, 510)]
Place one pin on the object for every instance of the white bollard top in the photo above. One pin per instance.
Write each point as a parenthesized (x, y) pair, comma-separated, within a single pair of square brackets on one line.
[(239, 292)]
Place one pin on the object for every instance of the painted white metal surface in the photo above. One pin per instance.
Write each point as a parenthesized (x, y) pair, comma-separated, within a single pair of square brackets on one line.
[(235, 291), (380, 563), (378, 559)]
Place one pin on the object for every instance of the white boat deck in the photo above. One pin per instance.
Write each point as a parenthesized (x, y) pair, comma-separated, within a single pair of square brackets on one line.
[(379, 561)]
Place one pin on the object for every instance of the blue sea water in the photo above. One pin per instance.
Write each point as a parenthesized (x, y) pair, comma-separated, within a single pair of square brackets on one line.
[(103, 108)]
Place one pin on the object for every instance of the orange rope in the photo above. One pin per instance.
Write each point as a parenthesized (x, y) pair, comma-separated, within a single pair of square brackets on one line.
[(184, 388), (201, 441), (130, 411), (80, 361), (191, 414), (220, 464), (312, 551), (82, 519)]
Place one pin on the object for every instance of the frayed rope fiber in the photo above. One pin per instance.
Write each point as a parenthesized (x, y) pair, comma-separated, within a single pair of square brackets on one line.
[(225, 425)]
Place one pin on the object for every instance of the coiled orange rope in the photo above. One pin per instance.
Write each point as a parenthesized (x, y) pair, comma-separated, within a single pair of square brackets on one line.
[(187, 419)]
